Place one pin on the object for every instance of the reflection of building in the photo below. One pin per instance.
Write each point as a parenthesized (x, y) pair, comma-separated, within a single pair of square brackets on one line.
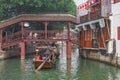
[(2, 67), (100, 29)]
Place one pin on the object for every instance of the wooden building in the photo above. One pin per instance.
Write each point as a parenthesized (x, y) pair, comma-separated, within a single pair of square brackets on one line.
[(99, 27)]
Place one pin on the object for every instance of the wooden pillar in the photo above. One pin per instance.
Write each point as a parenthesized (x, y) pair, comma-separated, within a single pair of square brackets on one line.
[(68, 28), (22, 29), (69, 49), (69, 44), (46, 24), (22, 44)]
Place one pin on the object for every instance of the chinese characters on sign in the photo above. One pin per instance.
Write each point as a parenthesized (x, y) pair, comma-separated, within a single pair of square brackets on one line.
[(83, 9)]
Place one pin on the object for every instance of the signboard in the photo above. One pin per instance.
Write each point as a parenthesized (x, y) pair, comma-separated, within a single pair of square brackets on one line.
[(93, 11), (84, 8)]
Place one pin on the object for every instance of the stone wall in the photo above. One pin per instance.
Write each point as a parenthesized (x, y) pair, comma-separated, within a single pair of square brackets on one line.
[(15, 52), (95, 55), (10, 52)]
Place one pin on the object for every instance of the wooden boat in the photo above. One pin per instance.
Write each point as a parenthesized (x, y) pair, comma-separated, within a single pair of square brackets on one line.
[(46, 62), (47, 65)]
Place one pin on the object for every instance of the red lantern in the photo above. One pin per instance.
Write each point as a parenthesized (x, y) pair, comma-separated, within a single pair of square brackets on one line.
[(87, 3), (82, 6), (94, 1), (90, 2)]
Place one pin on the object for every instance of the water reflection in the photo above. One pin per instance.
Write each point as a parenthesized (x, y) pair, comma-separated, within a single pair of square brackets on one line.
[(1, 69), (22, 66), (62, 63), (68, 67), (71, 69)]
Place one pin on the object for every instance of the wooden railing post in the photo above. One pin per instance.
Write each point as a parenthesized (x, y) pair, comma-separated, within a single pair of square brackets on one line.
[(46, 25)]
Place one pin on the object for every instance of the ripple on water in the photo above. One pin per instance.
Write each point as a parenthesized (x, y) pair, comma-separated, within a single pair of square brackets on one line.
[(76, 69)]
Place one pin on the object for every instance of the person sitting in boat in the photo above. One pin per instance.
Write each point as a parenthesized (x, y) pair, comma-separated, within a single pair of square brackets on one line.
[(37, 57)]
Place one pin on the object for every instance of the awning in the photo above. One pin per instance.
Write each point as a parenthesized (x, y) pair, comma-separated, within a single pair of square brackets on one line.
[(91, 24)]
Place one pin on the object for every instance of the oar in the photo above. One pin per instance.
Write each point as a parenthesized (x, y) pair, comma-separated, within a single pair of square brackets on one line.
[(42, 64)]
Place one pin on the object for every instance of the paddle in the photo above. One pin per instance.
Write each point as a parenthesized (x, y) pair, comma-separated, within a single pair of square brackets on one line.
[(42, 64)]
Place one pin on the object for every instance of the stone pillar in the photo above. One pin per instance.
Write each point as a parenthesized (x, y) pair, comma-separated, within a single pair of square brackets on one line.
[(22, 45)]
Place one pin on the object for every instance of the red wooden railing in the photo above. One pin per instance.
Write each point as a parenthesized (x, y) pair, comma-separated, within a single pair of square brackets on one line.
[(38, 35)]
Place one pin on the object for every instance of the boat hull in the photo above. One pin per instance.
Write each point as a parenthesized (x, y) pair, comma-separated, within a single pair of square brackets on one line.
[(47, 65)]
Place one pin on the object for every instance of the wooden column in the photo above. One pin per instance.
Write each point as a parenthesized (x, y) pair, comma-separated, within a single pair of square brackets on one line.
[(68, 28), (69, 49), (22, 29), (22, 44), (46, 24), (69, 44)]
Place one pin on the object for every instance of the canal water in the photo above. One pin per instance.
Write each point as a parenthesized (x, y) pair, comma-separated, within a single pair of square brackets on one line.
[(74, 69)]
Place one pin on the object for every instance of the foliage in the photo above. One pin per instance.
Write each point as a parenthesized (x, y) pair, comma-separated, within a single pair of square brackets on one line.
[(10, 8)]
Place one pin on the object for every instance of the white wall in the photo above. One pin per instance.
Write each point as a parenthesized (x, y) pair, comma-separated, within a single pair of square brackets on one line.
[(115, 22)]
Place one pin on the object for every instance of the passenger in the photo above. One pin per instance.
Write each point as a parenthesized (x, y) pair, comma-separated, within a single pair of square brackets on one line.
[(38, 57)]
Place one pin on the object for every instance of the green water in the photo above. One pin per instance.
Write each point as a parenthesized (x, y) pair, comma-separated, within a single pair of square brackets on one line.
[(74, 69)]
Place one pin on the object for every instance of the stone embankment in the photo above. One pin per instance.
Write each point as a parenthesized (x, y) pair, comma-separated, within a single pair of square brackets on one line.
[(95, 55)]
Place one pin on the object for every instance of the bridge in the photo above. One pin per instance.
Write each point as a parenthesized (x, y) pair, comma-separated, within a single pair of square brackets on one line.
[(23, 35)]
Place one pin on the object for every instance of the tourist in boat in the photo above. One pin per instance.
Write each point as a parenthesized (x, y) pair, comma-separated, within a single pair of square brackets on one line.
[(38, 57)]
